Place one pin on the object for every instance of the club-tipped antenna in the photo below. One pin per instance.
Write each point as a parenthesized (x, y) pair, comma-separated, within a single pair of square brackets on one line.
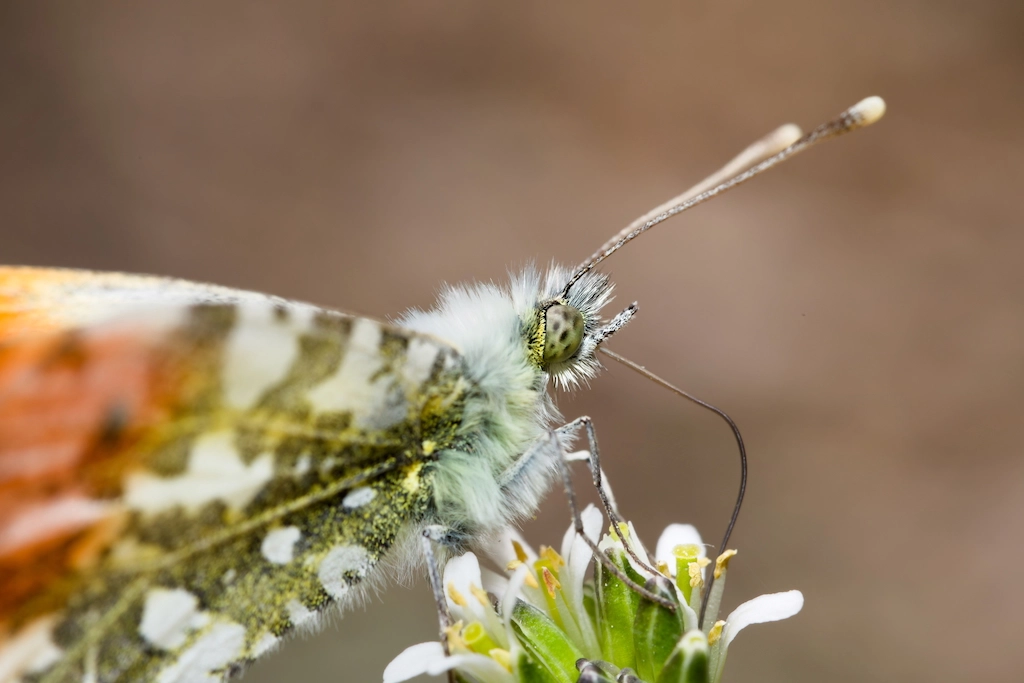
[(636, 367), (769, 151)]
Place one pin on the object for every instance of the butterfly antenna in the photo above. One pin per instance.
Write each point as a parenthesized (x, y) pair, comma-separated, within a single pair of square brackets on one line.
[(769, 151), (636, 367)]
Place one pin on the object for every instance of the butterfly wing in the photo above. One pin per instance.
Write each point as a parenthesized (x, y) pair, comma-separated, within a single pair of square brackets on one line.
[(188, 473)]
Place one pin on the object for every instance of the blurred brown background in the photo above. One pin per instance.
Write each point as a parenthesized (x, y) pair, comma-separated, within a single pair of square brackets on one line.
[(859, 311)]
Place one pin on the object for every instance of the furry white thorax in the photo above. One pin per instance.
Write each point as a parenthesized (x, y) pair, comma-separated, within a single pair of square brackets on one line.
[(483, 485)]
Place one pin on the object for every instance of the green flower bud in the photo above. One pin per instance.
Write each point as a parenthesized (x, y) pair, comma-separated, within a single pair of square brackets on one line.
[(656, 629), (616, 610), (545, 642), (529, 671), (689, 660)]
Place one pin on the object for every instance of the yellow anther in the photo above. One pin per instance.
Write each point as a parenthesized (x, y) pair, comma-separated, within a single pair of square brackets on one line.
[(454, 636), (550, 582), (520, 553), (552, 557), (662, 568), (722, 563), (716, 632), (531, 580), (457, 597), (623, 531), (429, 447), (480, 594), (513, 565), (696, 580), (503, 657)]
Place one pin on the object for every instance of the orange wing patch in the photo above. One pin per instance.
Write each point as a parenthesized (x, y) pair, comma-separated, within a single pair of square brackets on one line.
[(72, 406)]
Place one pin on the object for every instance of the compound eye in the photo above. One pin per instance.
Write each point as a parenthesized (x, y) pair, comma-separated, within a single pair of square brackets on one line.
[(563, 333)]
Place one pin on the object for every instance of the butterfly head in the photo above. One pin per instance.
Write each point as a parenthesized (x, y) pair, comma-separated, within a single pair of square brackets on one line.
[(566, 327)]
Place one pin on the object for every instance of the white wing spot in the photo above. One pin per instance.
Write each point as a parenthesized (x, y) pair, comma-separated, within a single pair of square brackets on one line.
[(373, 401), (352, 560), (266, 643), (168, 616), (300, 615), (279, 545), (31, 650), (49, 655), (222, 644), (215, 472), (450, 362), (419, 361), (259, 352), (358, 497)]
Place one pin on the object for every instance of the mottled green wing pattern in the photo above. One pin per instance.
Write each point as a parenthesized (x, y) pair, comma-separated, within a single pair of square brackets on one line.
[(211, 611)]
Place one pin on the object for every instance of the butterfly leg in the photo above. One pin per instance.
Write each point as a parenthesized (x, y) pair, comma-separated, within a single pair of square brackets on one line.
[(551, 449), (431, 535), (604, 491), (577, 521)]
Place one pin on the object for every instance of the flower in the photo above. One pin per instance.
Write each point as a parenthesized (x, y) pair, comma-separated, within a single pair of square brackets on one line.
[(545, 620)]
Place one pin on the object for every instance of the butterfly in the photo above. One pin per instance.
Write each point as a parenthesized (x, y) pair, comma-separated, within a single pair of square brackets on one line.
[(190, 473)]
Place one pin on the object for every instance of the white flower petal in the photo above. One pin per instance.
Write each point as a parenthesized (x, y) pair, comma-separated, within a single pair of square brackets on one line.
[(494, 582), (673, 535), (689, 614), (515, 591), (593, 520), (577, 456), (569, 536), (461, 573), (575, 551), (762, 609), (462, 570), (502, 552), (429, 659), (578, 555), (415, 660), (495, 585), (633, 539), (480, 667), (609, 540), (512, 593)]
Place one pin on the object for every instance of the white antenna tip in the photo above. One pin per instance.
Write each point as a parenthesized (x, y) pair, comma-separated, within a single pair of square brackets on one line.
[(786, 135), (868, 110)]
